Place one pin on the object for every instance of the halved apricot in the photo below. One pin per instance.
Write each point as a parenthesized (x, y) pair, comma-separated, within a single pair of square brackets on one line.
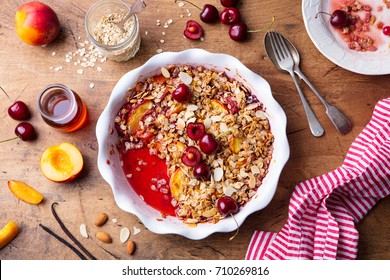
[(24, 192), (137, 115), (61, 163)]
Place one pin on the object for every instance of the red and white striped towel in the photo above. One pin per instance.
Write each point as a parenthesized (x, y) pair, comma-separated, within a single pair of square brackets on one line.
[(323, 210)]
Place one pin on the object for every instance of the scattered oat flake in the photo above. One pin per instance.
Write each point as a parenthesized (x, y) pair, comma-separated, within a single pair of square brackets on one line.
[(180, 4), (99, 69), (83, 230), (80, 71), (53, 53), (136, 230), (91, 85), (114, 221), (162, 41), (124, 235), (159, 51)]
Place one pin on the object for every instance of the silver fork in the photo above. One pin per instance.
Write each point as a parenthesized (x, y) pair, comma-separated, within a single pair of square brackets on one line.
[(286, 62)]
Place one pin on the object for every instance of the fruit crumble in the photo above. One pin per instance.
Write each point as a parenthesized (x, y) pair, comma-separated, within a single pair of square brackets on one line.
[(363, 25), (193, 141)]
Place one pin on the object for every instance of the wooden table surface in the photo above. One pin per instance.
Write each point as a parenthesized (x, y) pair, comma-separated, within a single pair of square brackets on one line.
[(25, 70)]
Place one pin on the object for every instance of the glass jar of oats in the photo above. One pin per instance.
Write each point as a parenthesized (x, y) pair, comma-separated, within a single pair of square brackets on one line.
[(102, 30)]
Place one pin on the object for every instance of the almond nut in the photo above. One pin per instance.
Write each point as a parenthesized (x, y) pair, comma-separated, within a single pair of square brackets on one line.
[(130, 247), (104, 237), (101, 219)]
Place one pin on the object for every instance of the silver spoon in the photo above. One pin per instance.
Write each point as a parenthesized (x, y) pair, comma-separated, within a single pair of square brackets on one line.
[(137, 7), (339, 120)]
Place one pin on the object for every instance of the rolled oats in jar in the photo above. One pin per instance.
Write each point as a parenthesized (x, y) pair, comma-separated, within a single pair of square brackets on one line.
[(102, 30)]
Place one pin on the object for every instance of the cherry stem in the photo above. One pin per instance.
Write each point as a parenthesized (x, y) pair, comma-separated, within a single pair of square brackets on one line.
[(189, 3), (6, 94), (237, 230), (3, 141), (323, 13), (264, 28)]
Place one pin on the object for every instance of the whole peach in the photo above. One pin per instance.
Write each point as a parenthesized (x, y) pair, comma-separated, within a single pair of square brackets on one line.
[(36, 23)]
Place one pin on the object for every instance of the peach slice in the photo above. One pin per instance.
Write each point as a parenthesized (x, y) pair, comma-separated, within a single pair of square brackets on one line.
[(235, 144), (137, 114), (177, 183), (218, 105), (24, 192), (8, 233), (61, 163)]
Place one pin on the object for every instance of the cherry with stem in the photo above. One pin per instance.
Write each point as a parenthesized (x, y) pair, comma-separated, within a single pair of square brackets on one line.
[(239, 31)]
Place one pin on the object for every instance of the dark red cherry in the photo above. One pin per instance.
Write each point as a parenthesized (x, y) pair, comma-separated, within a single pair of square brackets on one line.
[(209, 14), (182, 93), (202, 171), (238, 31), (227, 205), (230, 15), (195, 130), (19, 111), (208, 144), (25, 131), (193, 30), (338, 19), (229, 3), (191, 156)]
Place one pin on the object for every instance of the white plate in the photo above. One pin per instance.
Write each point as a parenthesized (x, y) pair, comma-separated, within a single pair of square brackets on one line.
[(329, 43), (109, 163)]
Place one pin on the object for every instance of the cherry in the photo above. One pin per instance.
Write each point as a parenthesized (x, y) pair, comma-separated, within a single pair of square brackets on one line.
[(230, 15), (25, 131), (19, 111), (208, 144), (195, 130), (209, 13), (229, 3), (182, 93), (338, 19), (386, 30), (202, 171), (227, 205), (193, 30), (191, 156), (238, 32)]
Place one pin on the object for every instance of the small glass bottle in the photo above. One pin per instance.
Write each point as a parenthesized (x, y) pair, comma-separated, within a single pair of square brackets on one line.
[(62, 108), (104, 37)]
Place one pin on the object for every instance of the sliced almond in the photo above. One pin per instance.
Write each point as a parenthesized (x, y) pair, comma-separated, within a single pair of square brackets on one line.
[(130, 247), (218, 174), (165, 72), (101, 219), (83, 230), (136, 230), (104, 237), (185, 78), (124, 234)]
